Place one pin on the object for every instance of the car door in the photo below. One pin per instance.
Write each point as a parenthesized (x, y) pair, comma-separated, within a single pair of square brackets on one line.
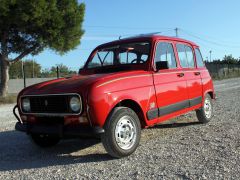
[(170, 83), (191, 72)]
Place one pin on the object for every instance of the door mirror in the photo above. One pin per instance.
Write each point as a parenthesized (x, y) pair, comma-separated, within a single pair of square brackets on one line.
[(80, 70), (162, 65)]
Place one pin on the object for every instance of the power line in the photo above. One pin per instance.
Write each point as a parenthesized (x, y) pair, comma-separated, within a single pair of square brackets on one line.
[(208, 41)]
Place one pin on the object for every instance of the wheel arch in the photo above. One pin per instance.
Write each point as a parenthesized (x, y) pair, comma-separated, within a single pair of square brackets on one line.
[(129, 103), (211, 93)]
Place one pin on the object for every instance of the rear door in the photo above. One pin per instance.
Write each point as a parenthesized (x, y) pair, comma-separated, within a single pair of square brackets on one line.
[(192, 73), (170, 83)]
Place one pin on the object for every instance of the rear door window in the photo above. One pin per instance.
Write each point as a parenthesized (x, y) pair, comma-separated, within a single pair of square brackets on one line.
[(190, 57), (199, 58), (185, 55)]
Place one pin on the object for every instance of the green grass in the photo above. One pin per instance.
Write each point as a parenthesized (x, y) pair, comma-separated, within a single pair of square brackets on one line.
[(9, 99)]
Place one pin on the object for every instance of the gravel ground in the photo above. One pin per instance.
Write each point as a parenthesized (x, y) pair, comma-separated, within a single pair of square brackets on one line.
[(183, 149)]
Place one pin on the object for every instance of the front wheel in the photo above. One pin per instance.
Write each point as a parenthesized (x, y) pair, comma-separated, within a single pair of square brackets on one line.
[(44, 140), (122, 132), (205, 113)]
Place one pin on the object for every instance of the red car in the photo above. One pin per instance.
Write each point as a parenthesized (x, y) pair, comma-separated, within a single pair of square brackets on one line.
[(125, 85)]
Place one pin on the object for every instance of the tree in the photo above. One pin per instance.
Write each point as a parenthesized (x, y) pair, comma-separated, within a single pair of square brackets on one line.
[(64, 71), (229, 59), (32, 69), (29, 26)]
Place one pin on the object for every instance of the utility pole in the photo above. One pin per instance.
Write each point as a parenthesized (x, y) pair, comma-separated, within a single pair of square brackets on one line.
[(176, 31), (210, 53)]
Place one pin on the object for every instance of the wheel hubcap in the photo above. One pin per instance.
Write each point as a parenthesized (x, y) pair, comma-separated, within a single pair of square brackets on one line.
[(125, 132), (207, 108)]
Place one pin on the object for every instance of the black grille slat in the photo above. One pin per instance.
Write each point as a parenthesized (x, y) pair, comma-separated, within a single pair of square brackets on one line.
[(49, 104)]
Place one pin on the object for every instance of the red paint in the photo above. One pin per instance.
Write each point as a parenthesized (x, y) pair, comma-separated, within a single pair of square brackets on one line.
[(141, 84)]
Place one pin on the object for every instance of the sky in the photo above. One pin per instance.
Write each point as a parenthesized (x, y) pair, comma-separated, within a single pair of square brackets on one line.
[(213, 24)]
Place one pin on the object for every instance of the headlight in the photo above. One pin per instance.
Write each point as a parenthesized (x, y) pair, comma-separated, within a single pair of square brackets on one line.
[(75, 104), (26, 104)]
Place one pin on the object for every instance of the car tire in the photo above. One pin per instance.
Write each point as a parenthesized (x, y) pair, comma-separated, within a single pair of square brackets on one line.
[(205, 113), (122, 132), (44, 140)]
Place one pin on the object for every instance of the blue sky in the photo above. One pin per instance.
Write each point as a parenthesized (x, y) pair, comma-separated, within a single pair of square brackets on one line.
[(214, 25)]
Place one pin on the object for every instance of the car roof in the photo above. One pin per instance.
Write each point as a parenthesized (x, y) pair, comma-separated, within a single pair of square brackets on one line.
[(148, 37)]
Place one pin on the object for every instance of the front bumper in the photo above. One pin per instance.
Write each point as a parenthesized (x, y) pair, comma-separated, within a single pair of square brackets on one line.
[(57, 129)]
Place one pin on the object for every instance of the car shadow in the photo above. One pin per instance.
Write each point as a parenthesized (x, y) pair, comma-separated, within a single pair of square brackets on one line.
[(176, 125), (17, 152)]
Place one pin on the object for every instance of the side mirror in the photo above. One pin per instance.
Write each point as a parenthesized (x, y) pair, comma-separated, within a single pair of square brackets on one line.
[(80, 70), (162, 65)]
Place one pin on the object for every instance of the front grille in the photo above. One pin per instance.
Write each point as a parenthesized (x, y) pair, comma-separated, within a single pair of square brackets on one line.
[(50, 104)]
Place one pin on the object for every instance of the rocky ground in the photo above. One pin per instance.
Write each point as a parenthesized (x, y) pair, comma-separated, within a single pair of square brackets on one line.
[(184, 149)]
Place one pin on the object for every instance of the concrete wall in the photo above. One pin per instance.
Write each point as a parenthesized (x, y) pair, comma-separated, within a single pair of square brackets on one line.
[(16, 85)]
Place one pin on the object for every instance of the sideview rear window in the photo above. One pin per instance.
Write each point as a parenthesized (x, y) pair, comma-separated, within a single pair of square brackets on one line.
[(185, 55), (199, 58)]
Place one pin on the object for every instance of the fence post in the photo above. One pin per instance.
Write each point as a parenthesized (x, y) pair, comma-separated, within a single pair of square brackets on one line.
[(216, 67), (228, 70), (24, 77), (58, 72), (238, 69)]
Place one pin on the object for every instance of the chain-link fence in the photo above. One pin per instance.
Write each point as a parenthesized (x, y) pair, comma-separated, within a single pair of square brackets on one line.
[(29, 76), (24, 76), (221, 71)]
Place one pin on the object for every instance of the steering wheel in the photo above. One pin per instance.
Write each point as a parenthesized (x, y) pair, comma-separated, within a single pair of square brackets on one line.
[(136, 60)]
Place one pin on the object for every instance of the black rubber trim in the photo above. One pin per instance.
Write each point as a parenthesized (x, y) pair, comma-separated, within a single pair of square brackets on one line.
[(152, 114), (157, 112), (173, 107), (59, 129), (195, 101)]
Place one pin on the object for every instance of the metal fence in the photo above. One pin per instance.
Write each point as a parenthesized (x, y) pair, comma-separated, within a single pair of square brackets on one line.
[(217, 71), (221, 71)]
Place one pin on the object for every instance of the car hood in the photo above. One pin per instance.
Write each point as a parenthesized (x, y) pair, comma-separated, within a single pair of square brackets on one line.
[(75, 84), (63, 85)]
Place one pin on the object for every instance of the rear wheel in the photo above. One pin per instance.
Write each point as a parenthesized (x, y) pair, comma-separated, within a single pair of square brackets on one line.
[(122, 132), (45, 140), (205, 113)]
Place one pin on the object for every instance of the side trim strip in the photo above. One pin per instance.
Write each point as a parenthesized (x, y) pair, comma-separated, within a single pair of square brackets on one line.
[(195, 101), (152, 114), (173, 107), (158, 112)]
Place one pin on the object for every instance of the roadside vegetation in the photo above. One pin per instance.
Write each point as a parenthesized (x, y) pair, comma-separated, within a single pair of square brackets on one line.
[(9, 99), (32, 69)]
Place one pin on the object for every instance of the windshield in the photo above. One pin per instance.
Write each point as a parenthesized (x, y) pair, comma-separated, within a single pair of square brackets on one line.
[(123, 54)]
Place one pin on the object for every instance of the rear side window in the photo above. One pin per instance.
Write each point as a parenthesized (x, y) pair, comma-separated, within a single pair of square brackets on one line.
[(199, 58), (164, 52), (185, 55)]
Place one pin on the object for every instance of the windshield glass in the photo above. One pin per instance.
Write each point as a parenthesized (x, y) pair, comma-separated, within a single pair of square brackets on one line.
[(123, 54)]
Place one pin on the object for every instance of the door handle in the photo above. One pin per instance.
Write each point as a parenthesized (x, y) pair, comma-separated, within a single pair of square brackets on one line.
[(197, 73), (180, 74)]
